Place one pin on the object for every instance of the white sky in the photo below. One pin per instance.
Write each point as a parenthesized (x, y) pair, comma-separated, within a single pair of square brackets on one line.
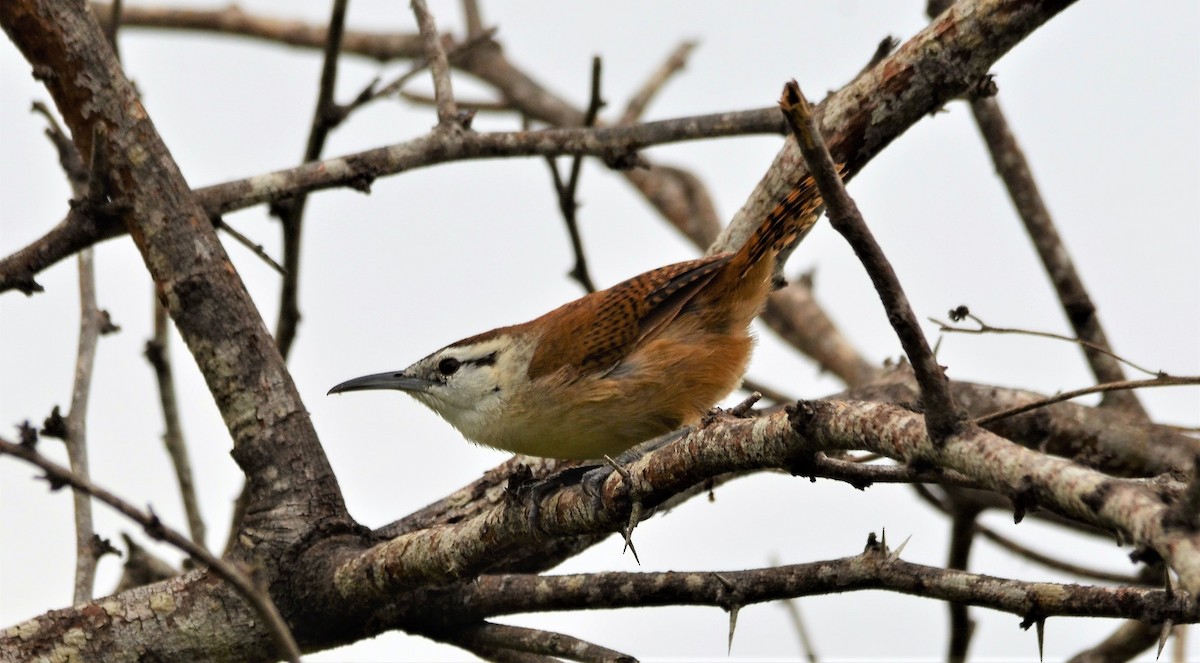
[(1104, 101)]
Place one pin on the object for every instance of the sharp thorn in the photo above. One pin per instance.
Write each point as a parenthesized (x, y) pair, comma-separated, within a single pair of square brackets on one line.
[(1041, 636), (896, 555), (630, 548), (619, 470), (1162, 637), (724, 581), (635, 514), (733, 615)]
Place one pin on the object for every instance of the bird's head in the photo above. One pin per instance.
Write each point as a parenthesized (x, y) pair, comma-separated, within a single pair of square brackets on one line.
[(468, 383)]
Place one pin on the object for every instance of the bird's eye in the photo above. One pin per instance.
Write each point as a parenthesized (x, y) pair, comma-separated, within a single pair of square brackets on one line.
[(448, 366)]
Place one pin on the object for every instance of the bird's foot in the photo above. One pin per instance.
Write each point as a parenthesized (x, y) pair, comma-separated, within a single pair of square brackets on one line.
[(531, 491), (593, 481)]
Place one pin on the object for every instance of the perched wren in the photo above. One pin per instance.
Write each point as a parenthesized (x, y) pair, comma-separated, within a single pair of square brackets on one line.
[(614, 368)]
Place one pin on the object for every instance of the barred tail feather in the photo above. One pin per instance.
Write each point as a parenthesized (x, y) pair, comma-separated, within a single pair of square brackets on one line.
[(789, 221)]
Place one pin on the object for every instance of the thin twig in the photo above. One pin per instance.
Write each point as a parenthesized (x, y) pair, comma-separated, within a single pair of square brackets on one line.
[(114, 24), (769, 393), (882, 50), (84, 186), (792, 606), (372, 93), (943, 416), (1053, 562), (291, 211), (472, 17), (240, 503), (471, 105), (255, 248), (141, 567), (984, 328), (567, 204), (59, 476), (159, 357), (1161, 381), (532, 641), (439, 66), (1124, 644), (76, 438), (944, 503), (674, 64), (862, 475), (962, 537)]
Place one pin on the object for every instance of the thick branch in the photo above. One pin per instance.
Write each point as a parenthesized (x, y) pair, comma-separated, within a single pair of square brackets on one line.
[(1111, 441), (446, 552), (874, 569)]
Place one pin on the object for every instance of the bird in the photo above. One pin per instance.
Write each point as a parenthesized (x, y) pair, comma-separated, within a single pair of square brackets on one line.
[(615, 368)]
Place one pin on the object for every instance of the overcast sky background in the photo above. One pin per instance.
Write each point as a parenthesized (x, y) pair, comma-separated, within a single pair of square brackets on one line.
[(1104, 100)]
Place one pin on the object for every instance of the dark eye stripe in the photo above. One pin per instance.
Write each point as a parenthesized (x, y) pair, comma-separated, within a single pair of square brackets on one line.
[(450, 365)]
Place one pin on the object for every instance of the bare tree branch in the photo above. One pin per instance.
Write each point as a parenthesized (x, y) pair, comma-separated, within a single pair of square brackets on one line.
[(291, 211), (1161, 381), (158, 355), (446, 552), (234, 21), (566, 191), (962, 312), (962, 538), (256, 596), (439, 66), (488, 636), (1131, 639), (359, 170), (87, 553), (641, 99), (1104, 439), (875, 568), (943, 415)]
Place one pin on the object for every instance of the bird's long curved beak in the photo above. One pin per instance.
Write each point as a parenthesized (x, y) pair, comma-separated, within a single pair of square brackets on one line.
[(391, 380)]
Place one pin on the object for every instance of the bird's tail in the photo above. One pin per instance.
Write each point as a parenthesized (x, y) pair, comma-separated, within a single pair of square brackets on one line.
[(787, 223)]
